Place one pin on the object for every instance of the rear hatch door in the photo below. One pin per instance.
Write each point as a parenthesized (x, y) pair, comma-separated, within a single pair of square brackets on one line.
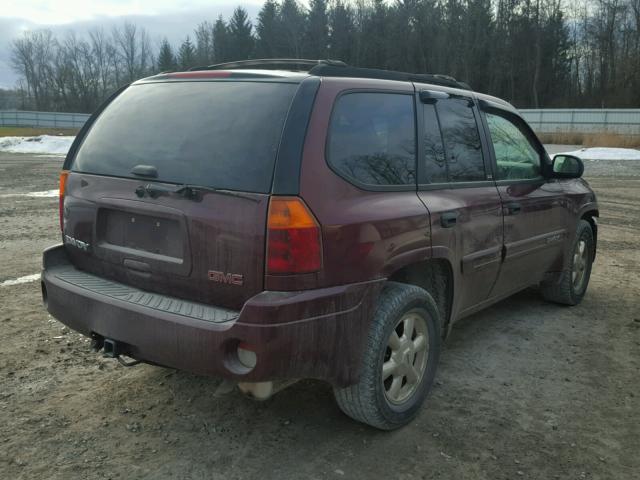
[(169, 189)]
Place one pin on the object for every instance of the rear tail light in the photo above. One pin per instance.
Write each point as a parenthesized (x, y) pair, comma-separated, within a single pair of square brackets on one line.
[(63, 183), (293, 237)]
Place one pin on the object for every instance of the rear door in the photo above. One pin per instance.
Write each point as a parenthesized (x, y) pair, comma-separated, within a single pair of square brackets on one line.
[(170, 188), (535, 214), (456, 187)]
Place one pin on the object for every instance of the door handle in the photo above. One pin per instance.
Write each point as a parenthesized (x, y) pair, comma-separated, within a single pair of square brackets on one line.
[(448, 219), (514, 208)]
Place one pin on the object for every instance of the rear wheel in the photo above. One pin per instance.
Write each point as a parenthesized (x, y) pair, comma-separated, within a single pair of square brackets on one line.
[(400, 359), (572, 285)]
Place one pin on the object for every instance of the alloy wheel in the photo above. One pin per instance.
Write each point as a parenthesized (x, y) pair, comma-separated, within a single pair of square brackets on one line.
[(405, 359), (580, 262)]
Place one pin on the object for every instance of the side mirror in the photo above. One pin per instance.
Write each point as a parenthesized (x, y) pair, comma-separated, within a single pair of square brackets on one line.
[(566, 166)]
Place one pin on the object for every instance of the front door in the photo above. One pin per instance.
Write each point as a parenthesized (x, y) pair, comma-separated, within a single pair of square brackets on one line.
[(535, 215), (462, 199)]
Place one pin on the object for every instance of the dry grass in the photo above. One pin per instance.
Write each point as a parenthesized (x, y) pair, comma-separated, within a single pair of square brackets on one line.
[(603, 139), (30, 132)]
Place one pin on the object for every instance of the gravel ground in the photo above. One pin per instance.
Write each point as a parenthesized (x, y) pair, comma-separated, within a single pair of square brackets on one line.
[(525, 389)]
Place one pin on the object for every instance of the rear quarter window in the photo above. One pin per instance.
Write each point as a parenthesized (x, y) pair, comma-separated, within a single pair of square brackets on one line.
[(372, 139), (217, 134)]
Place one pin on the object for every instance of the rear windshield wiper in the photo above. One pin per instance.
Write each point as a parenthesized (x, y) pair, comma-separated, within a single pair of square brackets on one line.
[(192, 192)]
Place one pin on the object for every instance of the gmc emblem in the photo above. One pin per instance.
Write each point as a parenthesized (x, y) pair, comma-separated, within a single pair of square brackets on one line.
[(230, 278)]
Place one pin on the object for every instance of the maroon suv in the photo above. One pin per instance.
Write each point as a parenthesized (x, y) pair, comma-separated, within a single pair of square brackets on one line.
[(266, 225)]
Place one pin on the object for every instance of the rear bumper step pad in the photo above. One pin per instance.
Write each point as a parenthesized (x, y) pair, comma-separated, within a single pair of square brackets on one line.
[(134, 296)]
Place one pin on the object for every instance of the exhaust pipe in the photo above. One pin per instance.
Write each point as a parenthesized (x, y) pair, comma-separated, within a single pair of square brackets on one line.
[(264, 390)]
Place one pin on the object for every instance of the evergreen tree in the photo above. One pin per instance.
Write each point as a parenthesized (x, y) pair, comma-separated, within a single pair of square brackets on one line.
[(292, 20), (268, 30), (241, 38), (166, 58), (478, 43), (317, 31), (430, 40), (375, 31), (454, 15), (220, 41), (341, 32), (187, 55)]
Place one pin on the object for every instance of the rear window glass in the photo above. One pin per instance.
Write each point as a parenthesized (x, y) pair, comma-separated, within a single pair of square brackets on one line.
[(372, 138), (216, 134)]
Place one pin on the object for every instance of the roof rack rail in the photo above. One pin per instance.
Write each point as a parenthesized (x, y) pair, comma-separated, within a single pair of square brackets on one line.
[(337, 68), (329, 70), (271, 62)]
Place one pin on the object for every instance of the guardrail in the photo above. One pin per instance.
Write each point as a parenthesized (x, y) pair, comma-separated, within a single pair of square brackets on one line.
[(623, 121), (21, 118), (548, 120)]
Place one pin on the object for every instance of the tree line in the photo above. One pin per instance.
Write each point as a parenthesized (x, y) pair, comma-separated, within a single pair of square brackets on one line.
[(534, 53)]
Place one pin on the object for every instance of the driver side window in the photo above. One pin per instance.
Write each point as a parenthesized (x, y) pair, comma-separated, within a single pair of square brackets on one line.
[(516, 156)]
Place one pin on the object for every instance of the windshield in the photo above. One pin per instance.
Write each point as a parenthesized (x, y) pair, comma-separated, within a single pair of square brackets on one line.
[(216, 134)]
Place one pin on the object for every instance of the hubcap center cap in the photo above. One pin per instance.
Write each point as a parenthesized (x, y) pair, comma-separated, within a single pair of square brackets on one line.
[(406, 353)]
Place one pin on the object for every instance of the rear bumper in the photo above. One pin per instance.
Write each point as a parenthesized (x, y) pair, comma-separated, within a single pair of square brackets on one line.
[(307, 334)]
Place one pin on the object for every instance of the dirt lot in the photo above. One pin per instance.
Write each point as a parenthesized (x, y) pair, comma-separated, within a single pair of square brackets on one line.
[(525, 389)]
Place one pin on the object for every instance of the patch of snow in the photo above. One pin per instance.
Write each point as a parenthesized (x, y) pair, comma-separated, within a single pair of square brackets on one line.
[(605, 153), (554, 148), (42, 144), (45, 194), (19, 280)]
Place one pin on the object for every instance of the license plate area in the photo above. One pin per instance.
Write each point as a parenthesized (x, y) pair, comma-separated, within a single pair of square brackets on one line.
[(154, 236), (150, 234)]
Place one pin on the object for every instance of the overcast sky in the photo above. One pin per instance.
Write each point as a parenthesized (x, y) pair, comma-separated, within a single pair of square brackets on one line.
[(174, 19)]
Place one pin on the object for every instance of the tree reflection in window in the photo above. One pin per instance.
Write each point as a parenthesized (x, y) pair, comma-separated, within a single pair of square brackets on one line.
[(435, 164), (516, 157), (372, 138), (461, 140)]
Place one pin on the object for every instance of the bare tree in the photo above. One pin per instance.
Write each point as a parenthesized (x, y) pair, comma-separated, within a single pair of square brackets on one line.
[(31, 57), (100, 50), (204, 43), (133, 48)]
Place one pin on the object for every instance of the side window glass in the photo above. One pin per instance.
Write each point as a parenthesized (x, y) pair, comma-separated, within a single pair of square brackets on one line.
[(516, 156), (435, 165), (372, 138), (461, 140)]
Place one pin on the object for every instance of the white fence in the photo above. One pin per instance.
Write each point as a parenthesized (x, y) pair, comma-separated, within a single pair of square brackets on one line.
[(20, 118), (549, 120), (614, 120)]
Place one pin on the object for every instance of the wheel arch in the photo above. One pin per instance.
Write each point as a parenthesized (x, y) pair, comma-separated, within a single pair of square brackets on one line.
[(590, 216), (435, 275)]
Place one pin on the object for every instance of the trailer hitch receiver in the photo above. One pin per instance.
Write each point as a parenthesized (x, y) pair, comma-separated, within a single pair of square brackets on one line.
[(110, 348)]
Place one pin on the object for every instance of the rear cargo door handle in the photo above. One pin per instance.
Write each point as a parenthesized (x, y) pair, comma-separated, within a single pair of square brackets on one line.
[(136, 266), (513, 208), (448, 219)]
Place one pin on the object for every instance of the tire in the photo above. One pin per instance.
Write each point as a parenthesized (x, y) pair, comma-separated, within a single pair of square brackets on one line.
[(566, 290), (381, 403)]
